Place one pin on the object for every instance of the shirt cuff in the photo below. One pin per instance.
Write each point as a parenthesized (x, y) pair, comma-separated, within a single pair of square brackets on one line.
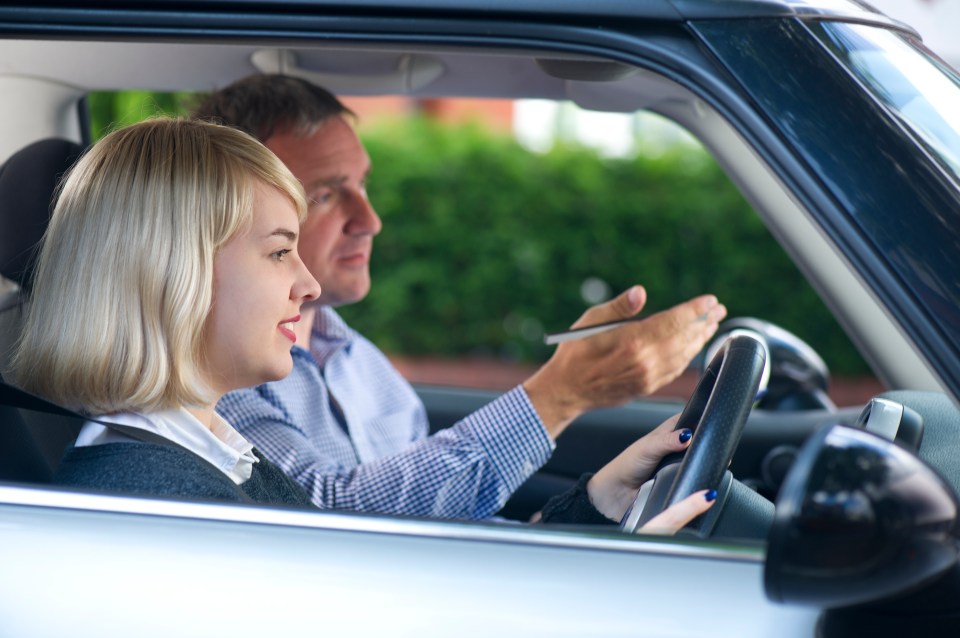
[(513, 435), (573, 507)]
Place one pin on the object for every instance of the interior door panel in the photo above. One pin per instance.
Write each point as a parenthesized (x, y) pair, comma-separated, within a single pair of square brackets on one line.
[(595, 438)]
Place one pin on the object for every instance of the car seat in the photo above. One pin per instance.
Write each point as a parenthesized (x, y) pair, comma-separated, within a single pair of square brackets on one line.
[(28, 180), (31, 444)]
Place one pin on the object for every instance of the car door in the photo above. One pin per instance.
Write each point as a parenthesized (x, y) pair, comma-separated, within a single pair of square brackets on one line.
[(355, 574)]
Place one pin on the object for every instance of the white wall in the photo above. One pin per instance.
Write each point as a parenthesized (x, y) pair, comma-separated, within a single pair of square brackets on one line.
[(937, 22)]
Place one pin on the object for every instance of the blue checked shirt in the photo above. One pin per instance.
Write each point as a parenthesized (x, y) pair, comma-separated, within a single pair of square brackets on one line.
[(352, 431)]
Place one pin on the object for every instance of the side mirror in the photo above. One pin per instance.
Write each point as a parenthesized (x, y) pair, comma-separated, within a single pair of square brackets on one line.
[(858, 519)]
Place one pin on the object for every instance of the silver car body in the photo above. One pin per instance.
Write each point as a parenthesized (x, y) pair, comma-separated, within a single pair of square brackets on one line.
[(81, 564)]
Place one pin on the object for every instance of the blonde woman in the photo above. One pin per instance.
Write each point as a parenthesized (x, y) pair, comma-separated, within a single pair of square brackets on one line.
[(169, 276)]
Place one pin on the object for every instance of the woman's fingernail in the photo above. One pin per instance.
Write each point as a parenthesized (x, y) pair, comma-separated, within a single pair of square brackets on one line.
[(685, 435), (711, 495)]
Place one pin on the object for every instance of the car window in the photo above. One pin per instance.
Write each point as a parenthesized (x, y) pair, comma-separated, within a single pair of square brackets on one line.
[(889, 173), (919, 87), (494, 236), (533, 237)]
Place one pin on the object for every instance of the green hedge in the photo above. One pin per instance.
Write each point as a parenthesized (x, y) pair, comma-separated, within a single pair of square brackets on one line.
[(486, 244), (115, 109)]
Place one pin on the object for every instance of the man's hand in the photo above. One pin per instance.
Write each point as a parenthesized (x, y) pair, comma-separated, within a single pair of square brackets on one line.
[(616, 366)]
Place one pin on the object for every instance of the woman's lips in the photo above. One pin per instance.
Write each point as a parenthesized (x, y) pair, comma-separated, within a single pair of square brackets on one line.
[(286, 328)]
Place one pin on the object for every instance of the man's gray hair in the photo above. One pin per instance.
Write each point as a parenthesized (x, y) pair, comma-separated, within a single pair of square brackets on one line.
[(267, 104)]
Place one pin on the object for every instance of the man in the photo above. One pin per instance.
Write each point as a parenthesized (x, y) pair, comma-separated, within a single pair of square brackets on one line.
[(345, 424)]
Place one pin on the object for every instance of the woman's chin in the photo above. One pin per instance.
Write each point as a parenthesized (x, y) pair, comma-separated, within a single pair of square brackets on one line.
[(265, 374), (280, 371)]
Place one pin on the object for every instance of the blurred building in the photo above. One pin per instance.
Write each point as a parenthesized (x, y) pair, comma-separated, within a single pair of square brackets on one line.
[(497, 115)]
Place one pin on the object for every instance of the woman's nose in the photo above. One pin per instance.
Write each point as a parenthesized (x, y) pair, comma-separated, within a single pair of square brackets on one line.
[(306, 287)]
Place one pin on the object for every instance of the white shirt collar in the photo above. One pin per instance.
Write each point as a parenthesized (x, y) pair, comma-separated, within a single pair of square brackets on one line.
[(222, 446)]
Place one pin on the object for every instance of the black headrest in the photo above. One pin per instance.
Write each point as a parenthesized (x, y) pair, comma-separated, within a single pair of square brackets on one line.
[(28, 180)]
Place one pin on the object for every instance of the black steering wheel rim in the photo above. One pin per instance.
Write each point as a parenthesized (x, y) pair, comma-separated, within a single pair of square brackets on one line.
[(716, 414)]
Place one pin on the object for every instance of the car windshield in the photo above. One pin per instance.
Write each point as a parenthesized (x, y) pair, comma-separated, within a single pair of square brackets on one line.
[(911, 81)]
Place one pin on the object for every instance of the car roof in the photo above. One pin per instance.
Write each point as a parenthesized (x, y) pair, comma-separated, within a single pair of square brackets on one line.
[(659, 10), (675, 10), (126, 44)]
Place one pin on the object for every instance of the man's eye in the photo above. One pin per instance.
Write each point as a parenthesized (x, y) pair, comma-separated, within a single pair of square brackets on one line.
[(323, 200), (279, 255)]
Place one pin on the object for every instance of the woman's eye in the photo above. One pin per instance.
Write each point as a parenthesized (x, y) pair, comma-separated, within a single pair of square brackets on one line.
[(278, 255)]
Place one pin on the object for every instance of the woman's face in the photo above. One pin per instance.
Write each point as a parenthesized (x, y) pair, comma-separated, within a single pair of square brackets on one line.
[(259, 283)]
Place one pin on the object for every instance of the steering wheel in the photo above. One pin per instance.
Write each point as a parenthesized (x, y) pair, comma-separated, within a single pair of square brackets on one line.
[(716, 414)]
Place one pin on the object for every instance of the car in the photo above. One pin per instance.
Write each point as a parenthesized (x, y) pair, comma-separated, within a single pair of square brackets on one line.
[(836, 124)]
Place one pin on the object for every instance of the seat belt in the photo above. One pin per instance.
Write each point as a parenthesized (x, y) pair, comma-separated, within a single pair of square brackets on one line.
[(17, 398)]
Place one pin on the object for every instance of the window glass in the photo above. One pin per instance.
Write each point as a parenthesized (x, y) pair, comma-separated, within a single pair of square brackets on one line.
[(920, 88), (498, 229)]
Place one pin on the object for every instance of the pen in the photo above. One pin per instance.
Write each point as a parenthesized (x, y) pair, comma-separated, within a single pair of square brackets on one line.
[(583, 332)]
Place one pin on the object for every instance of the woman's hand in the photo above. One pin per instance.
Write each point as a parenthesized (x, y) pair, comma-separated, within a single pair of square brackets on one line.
[(675, 517), (613, 489)]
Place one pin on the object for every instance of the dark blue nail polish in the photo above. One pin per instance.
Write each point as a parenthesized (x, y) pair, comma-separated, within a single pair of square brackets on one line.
[(711, 495), (685, 435)]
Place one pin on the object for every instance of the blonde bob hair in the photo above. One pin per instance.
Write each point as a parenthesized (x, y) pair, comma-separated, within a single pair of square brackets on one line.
[(124, 280)]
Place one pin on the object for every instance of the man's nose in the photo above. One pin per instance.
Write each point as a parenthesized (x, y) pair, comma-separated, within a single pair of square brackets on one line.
[(363, 218)]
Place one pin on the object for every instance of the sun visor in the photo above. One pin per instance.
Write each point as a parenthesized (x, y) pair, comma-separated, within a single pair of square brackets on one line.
[(383, 73), (627, 93)]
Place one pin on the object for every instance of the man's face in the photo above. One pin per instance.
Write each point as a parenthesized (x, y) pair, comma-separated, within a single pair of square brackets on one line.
[(337, 238)]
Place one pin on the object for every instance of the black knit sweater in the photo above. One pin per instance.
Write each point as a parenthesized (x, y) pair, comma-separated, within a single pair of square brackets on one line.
[(573, 507), (153, 469)]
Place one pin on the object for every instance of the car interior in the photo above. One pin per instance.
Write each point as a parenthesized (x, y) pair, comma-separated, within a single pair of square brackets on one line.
[(46, 128)]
